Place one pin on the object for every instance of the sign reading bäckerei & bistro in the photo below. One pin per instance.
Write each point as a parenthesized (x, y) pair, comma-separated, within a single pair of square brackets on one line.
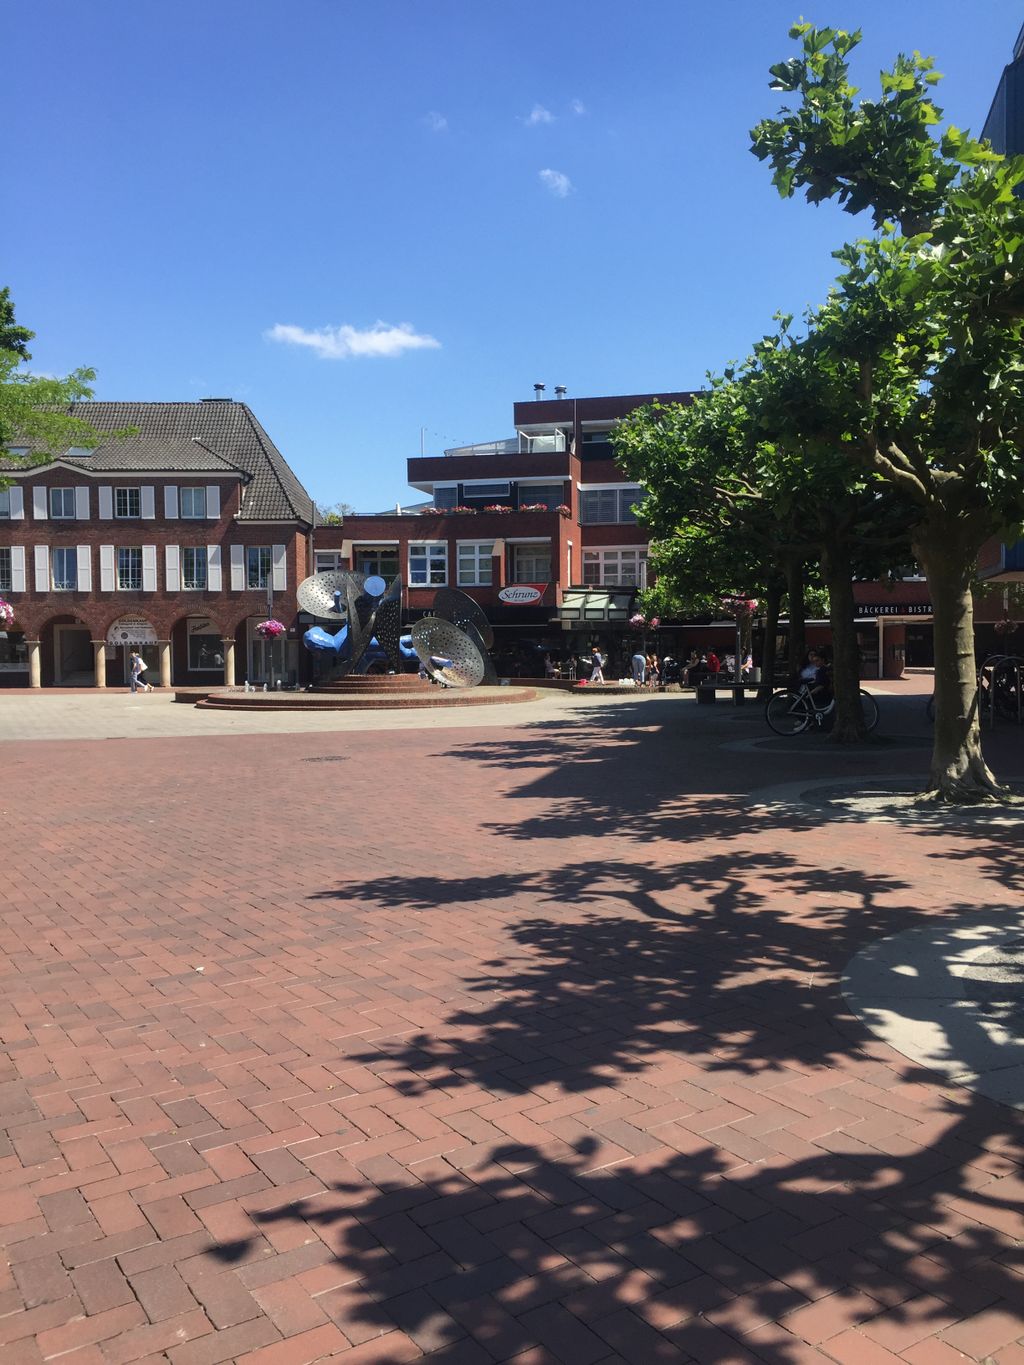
[(522, 594), (895, 609)]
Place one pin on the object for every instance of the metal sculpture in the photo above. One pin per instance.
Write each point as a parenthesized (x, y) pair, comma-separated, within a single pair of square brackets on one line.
[(451, 645)]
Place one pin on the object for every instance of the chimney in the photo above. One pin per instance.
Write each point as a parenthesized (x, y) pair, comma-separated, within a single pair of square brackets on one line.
[(560, 391), (538, 391)]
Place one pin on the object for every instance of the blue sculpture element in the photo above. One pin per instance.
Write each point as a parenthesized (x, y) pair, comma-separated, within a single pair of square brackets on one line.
[(319, 641)]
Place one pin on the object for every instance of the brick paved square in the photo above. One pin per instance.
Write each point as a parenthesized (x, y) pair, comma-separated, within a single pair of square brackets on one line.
[(519, 1040)]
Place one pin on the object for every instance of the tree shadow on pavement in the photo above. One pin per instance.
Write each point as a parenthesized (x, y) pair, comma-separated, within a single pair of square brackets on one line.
[(652, 1130)]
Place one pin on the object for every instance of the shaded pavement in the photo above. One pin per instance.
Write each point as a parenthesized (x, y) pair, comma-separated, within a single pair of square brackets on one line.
[(514, 1045)]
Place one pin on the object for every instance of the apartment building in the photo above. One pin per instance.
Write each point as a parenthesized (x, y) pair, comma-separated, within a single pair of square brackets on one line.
[(176, 541)]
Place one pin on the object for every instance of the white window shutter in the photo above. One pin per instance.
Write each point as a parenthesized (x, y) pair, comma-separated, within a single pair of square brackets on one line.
[(149, 568), (171, 502), (106, 503), (148, 501), (39, 504), (280, 578), (213, 578), (17, 504), (17, 568), (172, 568), (82, 502), (213, 501), (238, 568), (84, 569), (42, 568), (106, 567)]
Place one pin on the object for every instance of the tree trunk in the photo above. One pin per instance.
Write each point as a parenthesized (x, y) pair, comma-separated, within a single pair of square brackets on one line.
[(959, 773), (797, 617), (772, 604), (849, 715)]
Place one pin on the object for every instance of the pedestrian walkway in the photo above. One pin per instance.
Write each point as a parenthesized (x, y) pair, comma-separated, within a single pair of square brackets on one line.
[(509, 1041)]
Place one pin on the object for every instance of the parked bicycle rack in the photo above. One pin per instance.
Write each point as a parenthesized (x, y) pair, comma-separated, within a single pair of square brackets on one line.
[(1001, 688)]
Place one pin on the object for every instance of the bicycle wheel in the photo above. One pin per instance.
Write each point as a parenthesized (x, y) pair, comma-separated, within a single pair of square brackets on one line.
[(788, 713), (869, 707)]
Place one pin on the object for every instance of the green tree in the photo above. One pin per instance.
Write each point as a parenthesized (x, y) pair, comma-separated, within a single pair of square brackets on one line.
[(333, 514), (918, 354), (12, 336)]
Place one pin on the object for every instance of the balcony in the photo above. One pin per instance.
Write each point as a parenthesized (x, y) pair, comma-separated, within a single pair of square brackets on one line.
[(523, 443)]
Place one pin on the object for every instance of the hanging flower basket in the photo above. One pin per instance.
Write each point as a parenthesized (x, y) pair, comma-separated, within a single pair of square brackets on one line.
[(6, 615), (1006, 627), (737, 605), (638, 621), (655, 622), (270, 630)]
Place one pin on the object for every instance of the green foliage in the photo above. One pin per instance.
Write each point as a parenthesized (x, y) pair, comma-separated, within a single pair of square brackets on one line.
[(12, 336), (333, 514), (33, 411)]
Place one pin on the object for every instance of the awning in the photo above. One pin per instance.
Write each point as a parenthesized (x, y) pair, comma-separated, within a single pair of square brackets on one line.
[(595, 605)]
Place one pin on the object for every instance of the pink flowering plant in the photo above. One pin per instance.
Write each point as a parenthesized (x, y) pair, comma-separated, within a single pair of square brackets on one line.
[(563, 509), (270, 630), (736, 604), (638, 620), (6, 615), (498, 507), (533, 507)]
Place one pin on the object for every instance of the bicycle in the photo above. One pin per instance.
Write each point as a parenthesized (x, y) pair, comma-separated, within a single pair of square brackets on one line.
[(793, 711)]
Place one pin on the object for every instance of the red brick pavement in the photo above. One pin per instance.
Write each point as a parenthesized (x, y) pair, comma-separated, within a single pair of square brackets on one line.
[(519, 1046)]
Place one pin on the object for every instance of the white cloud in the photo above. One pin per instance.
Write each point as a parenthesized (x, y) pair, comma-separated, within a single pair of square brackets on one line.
[(538, 114), (345, 342), (560, 185), (578, 107), (437, 123)]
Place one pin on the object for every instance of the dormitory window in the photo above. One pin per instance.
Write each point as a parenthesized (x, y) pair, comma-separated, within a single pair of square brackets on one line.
[(127, 502), (193, 568), (258, 566), (129, 569)]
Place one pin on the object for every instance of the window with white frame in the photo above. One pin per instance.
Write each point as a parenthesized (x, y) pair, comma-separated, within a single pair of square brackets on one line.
[(193, 568), (616, 568), (428, 564), (64, 568), (127, 503), (531, 563), (129, 568), (5, 503), (326, 561), (609, 505), (62, 503), (6, 569), (381, 560), (475, 564), (192, 503), (257, 560)]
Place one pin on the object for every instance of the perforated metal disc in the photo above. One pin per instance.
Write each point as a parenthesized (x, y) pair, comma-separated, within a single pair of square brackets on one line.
[(316, 593), (458, 607), (433, 638)]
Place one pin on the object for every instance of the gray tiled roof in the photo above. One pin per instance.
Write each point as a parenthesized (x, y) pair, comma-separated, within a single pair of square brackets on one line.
[(153, 453), (226, 429)]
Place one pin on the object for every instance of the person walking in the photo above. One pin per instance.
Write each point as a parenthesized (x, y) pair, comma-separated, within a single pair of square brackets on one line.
[(137, 665), (638, 664), (596, 665)]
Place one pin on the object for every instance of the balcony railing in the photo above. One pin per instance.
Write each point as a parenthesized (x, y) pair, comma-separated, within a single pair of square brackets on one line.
[(523, 443)]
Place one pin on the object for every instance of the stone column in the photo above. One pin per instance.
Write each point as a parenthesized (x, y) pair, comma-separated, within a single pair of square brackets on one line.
[(35, 663), (165, 662), (99, 662), (229, 660)]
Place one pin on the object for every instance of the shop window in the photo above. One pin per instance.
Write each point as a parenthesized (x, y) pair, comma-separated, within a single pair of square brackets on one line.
[(428, 564), (257, 559), (193, 568), (531, 563), (129, 569), (475, 564), (205, 647)]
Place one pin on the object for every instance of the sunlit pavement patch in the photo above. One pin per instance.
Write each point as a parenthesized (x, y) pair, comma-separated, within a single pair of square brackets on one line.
[(950, 997), (891, 800)]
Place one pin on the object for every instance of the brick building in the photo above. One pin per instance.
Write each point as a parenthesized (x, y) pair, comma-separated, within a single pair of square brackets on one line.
[(556, 569), (175, 540)]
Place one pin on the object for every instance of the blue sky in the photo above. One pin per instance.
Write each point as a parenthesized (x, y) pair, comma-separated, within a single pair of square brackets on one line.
[(368, 217)]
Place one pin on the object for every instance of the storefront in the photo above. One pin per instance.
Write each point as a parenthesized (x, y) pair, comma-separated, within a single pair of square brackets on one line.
[(128, 635), (13, 658)]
